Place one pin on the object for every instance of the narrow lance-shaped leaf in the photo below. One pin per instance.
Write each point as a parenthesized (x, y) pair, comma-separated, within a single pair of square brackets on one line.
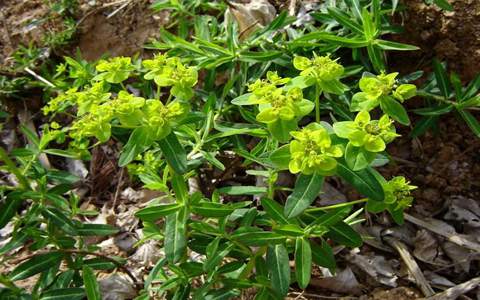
[(64, 294), (35, 265), (278, 265), (174, 153), (175, 236), (8, 209), (92, 288), (364, 181), (323, 256), (153, 213), (303, 262), (442, 78), (343, 234), (307, 188)]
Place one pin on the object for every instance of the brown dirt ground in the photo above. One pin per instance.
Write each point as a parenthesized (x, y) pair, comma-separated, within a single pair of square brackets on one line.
[(124, 33), (450, 36)]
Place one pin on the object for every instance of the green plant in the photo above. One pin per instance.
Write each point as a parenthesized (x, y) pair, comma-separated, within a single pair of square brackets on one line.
[(183, 129), (45, 216), (445, 94), (231, 115)]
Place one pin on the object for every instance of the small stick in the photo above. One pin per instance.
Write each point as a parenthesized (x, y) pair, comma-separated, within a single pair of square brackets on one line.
[(119, 9), (292, 7), (458, 239), (412, 266), (117, 190), (456, 291), (38, 77)]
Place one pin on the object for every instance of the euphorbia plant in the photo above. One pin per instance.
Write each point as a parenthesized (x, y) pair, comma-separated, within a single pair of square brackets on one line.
[(383, 91)]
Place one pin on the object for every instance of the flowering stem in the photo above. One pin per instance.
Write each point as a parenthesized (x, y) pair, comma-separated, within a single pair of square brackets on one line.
[(318, 92), (337, 205)]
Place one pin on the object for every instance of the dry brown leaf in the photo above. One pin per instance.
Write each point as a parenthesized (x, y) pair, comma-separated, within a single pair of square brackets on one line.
[(344, 282)]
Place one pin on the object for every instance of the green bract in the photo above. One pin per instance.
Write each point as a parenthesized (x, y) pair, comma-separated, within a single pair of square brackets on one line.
[(312, 151), (279, 108), (114, 70), (397, 191), (325, 71), (372, 135), (397, 198), (381, 90), (169, 71)]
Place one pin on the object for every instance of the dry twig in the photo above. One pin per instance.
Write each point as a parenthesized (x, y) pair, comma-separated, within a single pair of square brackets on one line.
[(456, 291), (458, 239), (412, 266)]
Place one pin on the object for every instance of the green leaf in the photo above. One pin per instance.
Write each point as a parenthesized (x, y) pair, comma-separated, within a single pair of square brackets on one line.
[(279, 266), (471, 121), (100, 263), (435, 110), (155, 212), (289, 230), (303, 262), (62, 153), (345, 20), (376, 57), (343, 234), (139, 140), (175, 236), (212, 209), (358, 158), (58, 218), (9, 208), (323, 256), (472, 88), (441, 78), (174, 153), (389, 45), (280, 129), (35, 265), (423, 125), (443, 4), (395, 110), (32, 137), (250, 56), (180, 188), (364, 181), (89, 229), (332, 217), (307, 188), (242, 190), (274, 210), (92, 288), (368, 25), (331, 38), (242, 100), (63, 294), (280, 158), (258, 237)]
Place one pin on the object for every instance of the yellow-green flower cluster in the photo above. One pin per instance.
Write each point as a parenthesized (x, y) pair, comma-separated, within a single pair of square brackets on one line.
[(372, 135), (322, 68), (312, 151), (170, 71), (374, 89), (398, 192), (278, 103), (115, 70)]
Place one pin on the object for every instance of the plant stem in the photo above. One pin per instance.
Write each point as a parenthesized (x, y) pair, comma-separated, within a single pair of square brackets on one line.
[(318, 92), (337, 205), (11, 166)]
